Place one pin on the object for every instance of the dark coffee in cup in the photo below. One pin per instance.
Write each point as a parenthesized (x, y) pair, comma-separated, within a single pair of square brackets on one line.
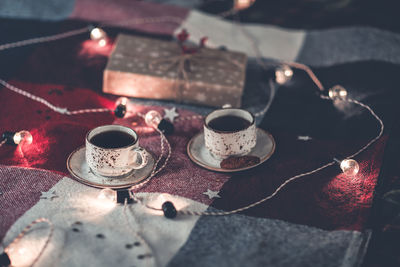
[(229, 132), (114, 151), (229, 123), (112, 139)]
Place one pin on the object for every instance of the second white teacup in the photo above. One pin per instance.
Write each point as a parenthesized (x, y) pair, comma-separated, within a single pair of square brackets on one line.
[(230, 132), (113, 151)]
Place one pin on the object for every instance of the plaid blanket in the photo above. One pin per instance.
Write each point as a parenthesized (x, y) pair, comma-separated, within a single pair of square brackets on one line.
[(321, 219)]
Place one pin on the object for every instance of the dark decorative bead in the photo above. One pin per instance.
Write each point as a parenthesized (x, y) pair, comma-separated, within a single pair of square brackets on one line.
[(136, 244), (101, 236), (166, 127), (223, 48), (169, 210), (4, 260), (122, 195), (9, 137), (120, 111), (128, 246), (75, 229)]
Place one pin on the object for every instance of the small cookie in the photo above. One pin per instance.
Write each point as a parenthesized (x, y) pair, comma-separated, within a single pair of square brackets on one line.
[(232, 163)]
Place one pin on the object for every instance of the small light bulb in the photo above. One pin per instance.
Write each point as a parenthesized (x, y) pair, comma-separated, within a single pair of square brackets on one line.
[(122, 101), (153, 118), (23, 137), (349, 167), (99, 35), (242, 4), (337, 93), (107, 194), (16, 138), (283, 74), (21, 251), (102, 42)]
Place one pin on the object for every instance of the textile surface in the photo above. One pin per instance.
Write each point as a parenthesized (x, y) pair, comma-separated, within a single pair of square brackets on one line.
[(321, 219)]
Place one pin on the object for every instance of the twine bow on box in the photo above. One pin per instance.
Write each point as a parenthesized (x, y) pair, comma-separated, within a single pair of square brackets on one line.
[(188, 57)]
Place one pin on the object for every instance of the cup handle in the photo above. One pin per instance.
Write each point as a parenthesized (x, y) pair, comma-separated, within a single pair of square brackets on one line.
[(142, 157)]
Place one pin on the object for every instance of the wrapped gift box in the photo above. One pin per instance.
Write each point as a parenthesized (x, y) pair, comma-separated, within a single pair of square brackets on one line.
[(149, 68)]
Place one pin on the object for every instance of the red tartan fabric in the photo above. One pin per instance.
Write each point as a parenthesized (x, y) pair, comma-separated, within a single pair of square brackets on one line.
[(54, 134)]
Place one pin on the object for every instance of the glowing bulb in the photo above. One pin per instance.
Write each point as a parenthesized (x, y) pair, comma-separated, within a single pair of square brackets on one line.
[(22, 251), (242, 4), (349, 167), (102, 42), (16, 138), (122, 101), (153, 118), (227, 106), (107, 194), (337, 93), (283, 74), (99, 35), (24, 137)]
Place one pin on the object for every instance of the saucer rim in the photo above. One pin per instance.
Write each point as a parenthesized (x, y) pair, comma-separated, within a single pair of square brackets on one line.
[(81, 180), (222, 170)]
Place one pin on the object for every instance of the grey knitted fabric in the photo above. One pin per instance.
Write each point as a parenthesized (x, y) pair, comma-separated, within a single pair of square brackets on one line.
[(42, 10), (239, 240)]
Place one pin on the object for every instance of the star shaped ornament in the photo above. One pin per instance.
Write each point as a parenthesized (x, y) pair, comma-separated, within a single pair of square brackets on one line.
[(170, 114), (212, 194), (48, 195)]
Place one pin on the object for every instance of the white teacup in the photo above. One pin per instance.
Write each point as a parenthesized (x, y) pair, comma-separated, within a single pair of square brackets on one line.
[(119, 159), (226, 137)]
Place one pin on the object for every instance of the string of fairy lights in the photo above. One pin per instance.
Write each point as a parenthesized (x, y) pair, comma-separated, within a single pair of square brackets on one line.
[(283, 74)]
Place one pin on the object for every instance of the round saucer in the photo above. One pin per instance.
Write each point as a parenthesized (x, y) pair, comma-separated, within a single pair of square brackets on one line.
[(200, 155), (80, 171)]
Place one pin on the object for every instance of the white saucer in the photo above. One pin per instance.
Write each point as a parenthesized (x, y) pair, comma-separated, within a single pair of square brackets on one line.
[(76, 164), (200, 155)]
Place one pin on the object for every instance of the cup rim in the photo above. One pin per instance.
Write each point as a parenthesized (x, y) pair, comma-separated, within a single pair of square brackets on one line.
[(229, 132), (110, 148)]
